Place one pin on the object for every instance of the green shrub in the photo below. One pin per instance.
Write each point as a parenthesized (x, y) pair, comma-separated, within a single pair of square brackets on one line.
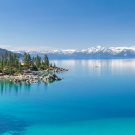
[(18, 72)]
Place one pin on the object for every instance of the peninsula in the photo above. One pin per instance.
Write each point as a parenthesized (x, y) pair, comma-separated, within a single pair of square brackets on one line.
[(29, 70)]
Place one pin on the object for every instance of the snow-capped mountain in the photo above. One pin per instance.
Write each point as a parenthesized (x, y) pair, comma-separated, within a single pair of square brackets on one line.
[(92, 52)]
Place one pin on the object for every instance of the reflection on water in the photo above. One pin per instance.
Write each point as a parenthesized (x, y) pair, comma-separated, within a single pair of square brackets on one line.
[(91, 90), (6, 85), (90, 67), (97, 62), (98, 66)]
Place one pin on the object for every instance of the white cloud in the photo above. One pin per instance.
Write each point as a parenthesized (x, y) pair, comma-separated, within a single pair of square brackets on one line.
[(5, 46), (33, 48), (27, 48)]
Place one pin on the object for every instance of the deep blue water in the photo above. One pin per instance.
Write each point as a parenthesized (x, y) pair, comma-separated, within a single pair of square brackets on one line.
[(96, 97)]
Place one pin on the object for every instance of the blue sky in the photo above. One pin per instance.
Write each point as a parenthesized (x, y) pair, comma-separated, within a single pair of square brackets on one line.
[(66, 24)]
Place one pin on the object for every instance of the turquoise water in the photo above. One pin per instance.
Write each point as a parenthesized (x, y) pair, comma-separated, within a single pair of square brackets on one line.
[(96, 97)]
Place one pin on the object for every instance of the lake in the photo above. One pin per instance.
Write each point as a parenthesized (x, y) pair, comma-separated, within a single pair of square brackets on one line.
[(96, 97)]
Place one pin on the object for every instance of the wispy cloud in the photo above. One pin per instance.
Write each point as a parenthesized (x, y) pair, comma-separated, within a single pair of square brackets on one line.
[(34, 48), (5, 46), (27, 48)]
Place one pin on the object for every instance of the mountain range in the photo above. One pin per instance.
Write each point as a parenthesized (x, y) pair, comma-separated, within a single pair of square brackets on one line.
[(92, 52), (2, 52)]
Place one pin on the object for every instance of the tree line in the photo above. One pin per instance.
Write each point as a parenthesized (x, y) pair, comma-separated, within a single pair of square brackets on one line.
[(36, 62), (12, 62)]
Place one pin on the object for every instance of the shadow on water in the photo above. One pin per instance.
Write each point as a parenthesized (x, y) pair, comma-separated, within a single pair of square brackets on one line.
[(11, 125)]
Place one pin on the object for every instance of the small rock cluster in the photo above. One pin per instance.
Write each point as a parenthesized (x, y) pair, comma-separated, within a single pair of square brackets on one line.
[(36, 78), (50, 77), (57, 70), (29, 76)]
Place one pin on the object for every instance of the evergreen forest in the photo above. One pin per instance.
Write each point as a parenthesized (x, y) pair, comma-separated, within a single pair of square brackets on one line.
[(10, 63)]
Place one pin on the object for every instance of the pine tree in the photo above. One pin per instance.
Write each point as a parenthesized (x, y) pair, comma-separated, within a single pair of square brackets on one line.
[(51, 65), (10, 58), (2, 57), (10, 69), (29, 59), (20, 68), (43, 63), (16, 63), (24, 60), (33, 61), (14, 58), (5, 56), (54, 65), (1, 64), (18, 57), (38, 61), (46, 60), (7, 63)]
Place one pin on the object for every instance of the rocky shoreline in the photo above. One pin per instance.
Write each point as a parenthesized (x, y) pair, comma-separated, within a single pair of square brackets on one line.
[(31, 76)]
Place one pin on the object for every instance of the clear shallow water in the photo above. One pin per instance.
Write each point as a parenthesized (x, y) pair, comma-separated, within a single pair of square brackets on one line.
[(89, 101)]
